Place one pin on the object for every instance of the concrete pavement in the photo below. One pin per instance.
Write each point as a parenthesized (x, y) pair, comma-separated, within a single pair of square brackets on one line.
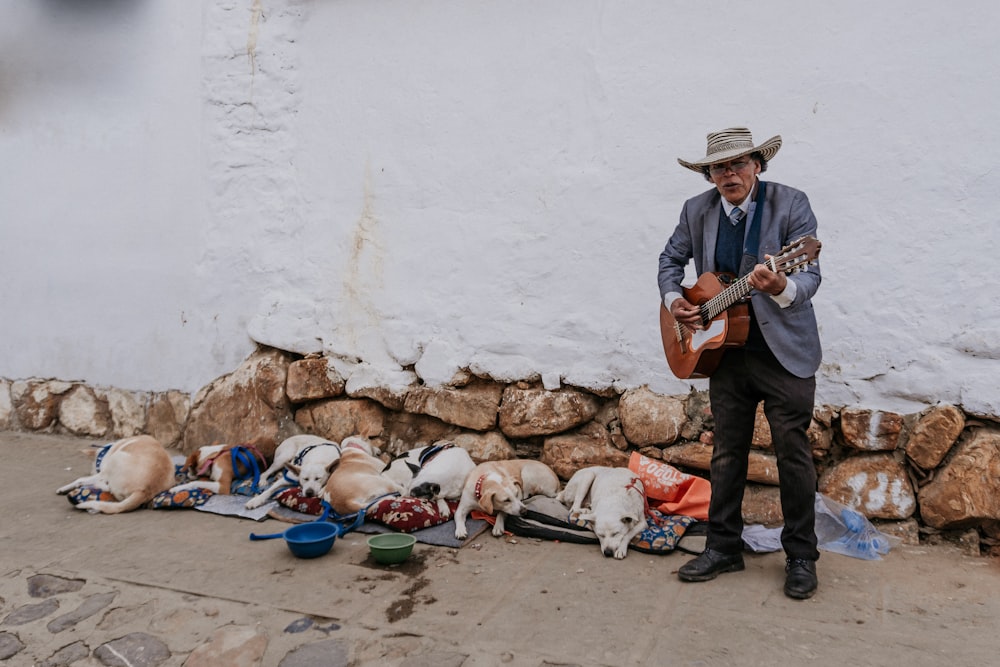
[(182, 587)]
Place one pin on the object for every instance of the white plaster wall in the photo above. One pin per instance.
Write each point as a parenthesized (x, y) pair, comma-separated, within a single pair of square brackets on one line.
[(438, 185)]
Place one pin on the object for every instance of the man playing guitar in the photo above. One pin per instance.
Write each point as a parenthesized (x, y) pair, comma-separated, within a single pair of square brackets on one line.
[(737, 229)]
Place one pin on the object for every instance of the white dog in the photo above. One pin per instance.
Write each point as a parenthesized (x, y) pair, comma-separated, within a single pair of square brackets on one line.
[(440, 474), (304, 459), (403, 467), (616, 505), (499, 487), (134, 470)]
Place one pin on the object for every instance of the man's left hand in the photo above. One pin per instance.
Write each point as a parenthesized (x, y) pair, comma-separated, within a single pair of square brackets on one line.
[(763, 279)]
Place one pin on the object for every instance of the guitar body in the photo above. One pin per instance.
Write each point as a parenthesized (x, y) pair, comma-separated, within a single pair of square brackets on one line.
[(721, 298), (696, 354)]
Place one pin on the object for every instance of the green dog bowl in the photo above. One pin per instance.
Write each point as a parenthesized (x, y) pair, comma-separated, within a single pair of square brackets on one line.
[(391, 548)]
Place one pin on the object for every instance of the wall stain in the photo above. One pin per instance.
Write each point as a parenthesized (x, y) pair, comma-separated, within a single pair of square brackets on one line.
[(256, 12), (364, 269)]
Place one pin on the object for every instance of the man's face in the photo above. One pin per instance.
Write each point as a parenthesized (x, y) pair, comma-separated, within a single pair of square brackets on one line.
[(735, 179)]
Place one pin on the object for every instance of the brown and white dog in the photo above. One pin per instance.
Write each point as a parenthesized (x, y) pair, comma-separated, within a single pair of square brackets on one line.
[(615, 502), (213, 467), (134, 470), (499, 487), (357, 480), (308, 460)]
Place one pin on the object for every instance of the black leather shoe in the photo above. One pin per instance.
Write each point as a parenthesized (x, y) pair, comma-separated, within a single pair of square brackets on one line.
[(709, 565), (800, 578)]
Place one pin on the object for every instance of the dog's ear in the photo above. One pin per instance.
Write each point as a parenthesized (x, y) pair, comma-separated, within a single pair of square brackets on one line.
[(486, 502), (414, 468), (191, 462), (332, 465), (294, 468), (629, 521)]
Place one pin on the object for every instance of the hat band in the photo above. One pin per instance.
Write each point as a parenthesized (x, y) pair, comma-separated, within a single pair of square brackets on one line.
[(732, 145)]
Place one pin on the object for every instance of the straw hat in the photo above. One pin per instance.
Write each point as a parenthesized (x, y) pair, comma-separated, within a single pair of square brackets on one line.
[(729, 144)]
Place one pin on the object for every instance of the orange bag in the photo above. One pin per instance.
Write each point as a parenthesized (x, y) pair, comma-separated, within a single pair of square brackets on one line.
[(671, 491)]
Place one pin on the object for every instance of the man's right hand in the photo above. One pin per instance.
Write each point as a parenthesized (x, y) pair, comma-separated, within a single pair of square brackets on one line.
[(686, 313)]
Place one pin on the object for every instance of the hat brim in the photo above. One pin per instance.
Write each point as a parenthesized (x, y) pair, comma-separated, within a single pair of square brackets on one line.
[(768, 150)]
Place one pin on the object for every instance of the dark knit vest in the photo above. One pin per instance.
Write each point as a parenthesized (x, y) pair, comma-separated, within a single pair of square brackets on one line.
[(729, 251)]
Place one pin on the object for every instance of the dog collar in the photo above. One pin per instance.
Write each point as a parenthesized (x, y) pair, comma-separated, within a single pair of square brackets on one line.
[(306, 450), (479, 487), (634, 486), (206, 465), (100, 456)]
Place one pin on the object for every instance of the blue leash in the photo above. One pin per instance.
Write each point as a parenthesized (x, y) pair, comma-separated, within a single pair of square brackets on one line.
[(356, 518), (242, 455)]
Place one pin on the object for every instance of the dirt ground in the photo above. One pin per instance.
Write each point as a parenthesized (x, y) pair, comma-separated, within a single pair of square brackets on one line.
[(184, 584)]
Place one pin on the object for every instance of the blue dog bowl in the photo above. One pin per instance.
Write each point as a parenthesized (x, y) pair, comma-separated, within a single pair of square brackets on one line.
[(309, 540)]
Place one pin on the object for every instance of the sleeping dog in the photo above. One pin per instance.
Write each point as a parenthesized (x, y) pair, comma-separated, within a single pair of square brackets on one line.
[(356, 479), (306, 459), (499, 487), (434, 472), (134, 470), (616, 505), (214, 467)]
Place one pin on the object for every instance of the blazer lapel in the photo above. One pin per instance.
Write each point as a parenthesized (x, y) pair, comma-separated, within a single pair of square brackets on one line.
[(710, 227)]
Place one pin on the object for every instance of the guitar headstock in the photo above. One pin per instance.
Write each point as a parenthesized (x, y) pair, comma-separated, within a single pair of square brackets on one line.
[(796, 256)]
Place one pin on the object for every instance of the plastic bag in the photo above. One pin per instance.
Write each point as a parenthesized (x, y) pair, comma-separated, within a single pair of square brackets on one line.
[(843, 530), (761, 539)]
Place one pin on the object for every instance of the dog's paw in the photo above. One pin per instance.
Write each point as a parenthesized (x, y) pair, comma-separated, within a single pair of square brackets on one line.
[(92, 506), (460, 532), (621, 552), (497, 531), (443, 509), (255, 502)]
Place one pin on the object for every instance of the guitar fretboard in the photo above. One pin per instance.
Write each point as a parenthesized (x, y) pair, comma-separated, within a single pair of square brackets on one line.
[(718, 304)]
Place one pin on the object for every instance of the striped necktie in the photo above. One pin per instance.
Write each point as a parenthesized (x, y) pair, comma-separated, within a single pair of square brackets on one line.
[(736, 217)]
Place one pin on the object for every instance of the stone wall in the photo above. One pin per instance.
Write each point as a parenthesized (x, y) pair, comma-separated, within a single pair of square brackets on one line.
[(930, 476)]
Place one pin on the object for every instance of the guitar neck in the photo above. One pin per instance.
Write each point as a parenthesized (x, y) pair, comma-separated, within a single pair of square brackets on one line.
[(793, 257), (737, 291)]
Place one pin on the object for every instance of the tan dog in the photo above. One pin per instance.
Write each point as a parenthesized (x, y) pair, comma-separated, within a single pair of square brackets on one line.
[(357, 480), (499, 487), (134, 470), (213, 466)]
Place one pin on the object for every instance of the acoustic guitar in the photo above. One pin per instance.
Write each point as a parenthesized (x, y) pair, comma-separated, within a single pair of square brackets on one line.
[(725, 316)]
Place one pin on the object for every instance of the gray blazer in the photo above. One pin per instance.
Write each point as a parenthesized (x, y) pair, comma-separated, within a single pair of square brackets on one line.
[(790, 332)]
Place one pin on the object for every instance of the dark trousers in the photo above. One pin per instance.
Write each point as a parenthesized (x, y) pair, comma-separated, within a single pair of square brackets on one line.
[(743, 379)]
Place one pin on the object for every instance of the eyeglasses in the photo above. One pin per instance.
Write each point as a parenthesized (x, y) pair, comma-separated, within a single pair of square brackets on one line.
[(735, 167)]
